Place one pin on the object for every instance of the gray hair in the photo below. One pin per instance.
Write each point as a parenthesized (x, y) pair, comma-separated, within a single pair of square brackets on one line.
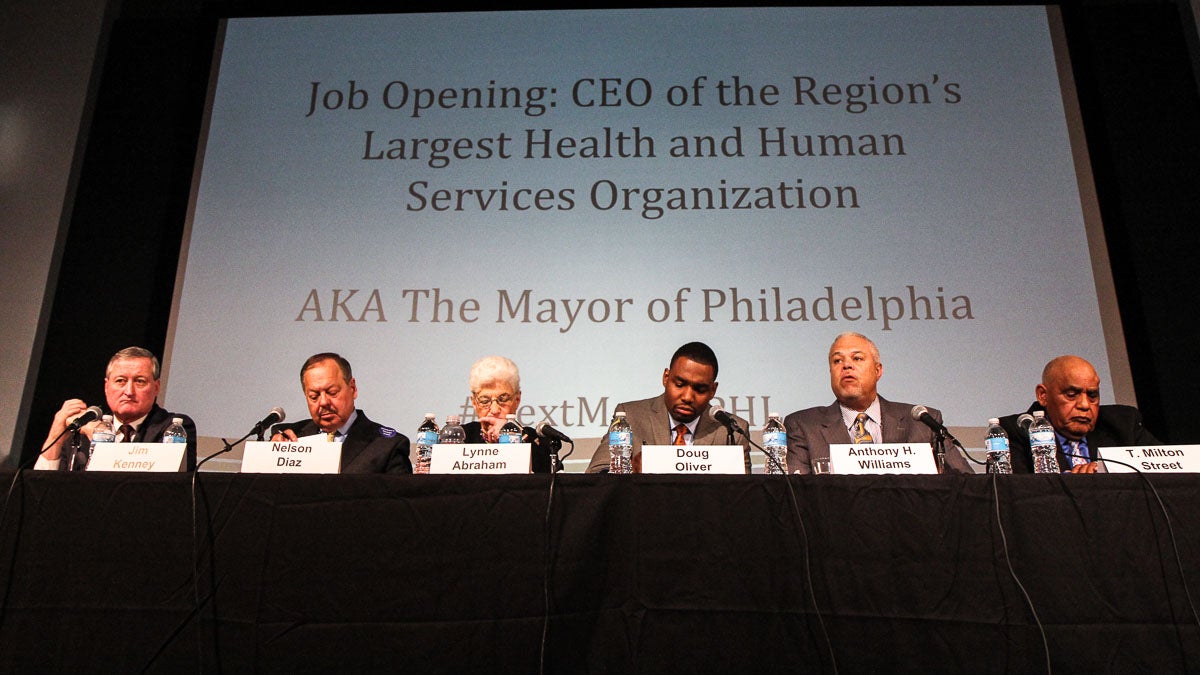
[(135, 353), (850, 333), (494, 369)]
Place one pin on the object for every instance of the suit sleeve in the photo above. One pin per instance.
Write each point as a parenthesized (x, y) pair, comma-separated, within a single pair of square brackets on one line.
[(601, 458), (955, 462)]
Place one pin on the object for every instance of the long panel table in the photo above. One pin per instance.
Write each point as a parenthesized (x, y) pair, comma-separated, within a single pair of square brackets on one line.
[(620, 574)]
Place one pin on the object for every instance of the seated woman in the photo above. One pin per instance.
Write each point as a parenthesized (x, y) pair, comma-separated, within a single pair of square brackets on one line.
[(496, 392)]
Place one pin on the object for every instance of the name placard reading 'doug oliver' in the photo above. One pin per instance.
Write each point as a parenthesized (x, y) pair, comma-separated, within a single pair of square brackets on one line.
[(306, 455), (715, 459), (480, 458)]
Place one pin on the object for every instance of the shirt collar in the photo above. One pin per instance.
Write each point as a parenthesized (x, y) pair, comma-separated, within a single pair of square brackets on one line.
[(849, 414)]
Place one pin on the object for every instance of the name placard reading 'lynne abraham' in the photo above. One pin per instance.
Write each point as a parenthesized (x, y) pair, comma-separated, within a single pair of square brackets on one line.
[(904, 458), (718, 459), (137, 457), (480, 458), (304, 455)]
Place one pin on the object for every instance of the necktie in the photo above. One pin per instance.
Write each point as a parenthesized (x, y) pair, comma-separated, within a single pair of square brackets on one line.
[(126, 433), (1077, 451), (680, 435), (861, 435), (330, 435)]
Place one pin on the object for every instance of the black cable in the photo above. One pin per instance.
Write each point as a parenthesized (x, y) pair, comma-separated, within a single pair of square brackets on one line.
[(549, 568), (1012, 573)]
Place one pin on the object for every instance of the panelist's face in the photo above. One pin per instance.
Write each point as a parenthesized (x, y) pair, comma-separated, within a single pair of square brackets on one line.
[(688, 386), (330, 397), (1071, 397), (496, 399), (130, 388), (853, 372)]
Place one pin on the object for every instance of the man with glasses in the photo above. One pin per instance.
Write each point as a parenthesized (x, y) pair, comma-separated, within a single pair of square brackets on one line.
[(131, 383), (330, 391)]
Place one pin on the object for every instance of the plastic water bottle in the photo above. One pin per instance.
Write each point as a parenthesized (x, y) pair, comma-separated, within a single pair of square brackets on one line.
[(620, 444), (511, 432), (175, 433), (1042, 445), (775, 443), (103, 433), (427, 435), (452, 432), (999, 457)]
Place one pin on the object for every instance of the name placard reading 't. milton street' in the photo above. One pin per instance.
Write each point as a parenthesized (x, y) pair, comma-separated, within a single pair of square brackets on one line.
[(306, 455), (1153, 458), (904, 458), (480, 458)]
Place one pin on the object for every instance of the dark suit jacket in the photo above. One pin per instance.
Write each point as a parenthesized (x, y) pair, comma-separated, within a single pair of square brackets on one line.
[(368, 448), (1116, 426), (151, 431), (539, 455), (649, 421), (811, 431)]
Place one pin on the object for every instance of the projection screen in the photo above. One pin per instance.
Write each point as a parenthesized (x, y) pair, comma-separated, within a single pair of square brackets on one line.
[(584, 191)]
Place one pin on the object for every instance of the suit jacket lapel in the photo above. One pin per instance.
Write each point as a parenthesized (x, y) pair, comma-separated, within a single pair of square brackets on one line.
[(658, 422), (832, 428), (894, 422)]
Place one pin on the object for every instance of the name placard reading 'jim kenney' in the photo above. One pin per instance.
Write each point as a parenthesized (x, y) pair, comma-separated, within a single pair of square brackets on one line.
[(137, 457), (305, 455)]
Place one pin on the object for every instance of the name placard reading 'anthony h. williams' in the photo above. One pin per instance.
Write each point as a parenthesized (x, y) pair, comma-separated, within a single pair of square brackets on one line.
[(899, 458)]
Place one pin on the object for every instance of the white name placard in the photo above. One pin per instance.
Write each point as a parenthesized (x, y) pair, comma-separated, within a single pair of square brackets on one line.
[(907, 458), (137, 457), (1153, 458), (306, 455), (718, 459), (480, 458)]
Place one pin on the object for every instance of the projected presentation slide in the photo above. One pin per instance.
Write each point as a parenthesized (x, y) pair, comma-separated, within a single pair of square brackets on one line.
[(585, 191)]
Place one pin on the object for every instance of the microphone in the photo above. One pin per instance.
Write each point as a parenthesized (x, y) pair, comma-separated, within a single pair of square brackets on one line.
[(921, 414), (1025, 420), (274, 417), (728, 421), (548, 432), (86, 416)]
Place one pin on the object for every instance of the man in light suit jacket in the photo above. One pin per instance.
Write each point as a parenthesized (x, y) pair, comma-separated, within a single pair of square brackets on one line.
[(860, 414), (330, 390), (680, 413)]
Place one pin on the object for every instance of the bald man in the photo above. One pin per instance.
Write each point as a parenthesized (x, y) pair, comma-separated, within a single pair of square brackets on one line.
[(1069, 393)]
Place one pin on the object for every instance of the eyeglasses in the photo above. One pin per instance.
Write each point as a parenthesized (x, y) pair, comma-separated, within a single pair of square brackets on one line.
[(487, 401)]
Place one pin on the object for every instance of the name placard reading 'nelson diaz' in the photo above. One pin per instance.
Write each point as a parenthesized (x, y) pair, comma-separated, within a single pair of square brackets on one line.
[(305, 455), (1152, 459), (907, 458), (137, 457), (717, 459), (480, 458)]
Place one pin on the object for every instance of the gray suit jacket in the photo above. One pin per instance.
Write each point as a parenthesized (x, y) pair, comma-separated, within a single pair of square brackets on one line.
[(811, 431), (649, 421)]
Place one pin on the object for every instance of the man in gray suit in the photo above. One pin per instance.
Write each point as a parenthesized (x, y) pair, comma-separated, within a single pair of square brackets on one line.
[(680, 415), (859, 415)]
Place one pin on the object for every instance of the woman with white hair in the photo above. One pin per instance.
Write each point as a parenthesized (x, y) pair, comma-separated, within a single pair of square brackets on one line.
[(495, 386)]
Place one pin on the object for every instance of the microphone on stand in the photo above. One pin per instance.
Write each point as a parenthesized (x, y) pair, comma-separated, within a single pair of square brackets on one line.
[(274, 417), (92, 413)]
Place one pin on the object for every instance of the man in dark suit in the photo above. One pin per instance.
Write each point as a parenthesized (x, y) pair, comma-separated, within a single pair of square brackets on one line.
[(680, 415), (131, 383), (330, 390), (1069, 393), (859, 415)]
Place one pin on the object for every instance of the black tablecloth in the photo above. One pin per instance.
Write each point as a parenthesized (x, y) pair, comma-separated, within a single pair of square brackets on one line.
[(636, 574)]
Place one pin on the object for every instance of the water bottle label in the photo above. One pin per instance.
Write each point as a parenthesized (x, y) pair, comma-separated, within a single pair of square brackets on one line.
[(1044, 437), (997, 444), (174, 439), (618, 438), (774, 438), (103, 438), (510, 437), (427, 437)]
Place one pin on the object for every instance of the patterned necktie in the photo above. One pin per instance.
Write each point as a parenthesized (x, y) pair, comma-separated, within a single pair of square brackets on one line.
[(330, 436), (680, 435), (861, 435), (126, 433)]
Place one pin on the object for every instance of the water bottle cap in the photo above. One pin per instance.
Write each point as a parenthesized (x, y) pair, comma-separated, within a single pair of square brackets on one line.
[(452, 419), (106, 418), (510, 417), (1039, 413), (774, 414), (176, 420), (430, 416), (993, 421), (619, 413)]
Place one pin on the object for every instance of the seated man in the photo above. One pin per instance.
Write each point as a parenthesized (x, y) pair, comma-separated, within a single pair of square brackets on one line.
[(131, 383), (859, 415), (678, 416), (495, 387), (1069, 393), (330, 390)]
